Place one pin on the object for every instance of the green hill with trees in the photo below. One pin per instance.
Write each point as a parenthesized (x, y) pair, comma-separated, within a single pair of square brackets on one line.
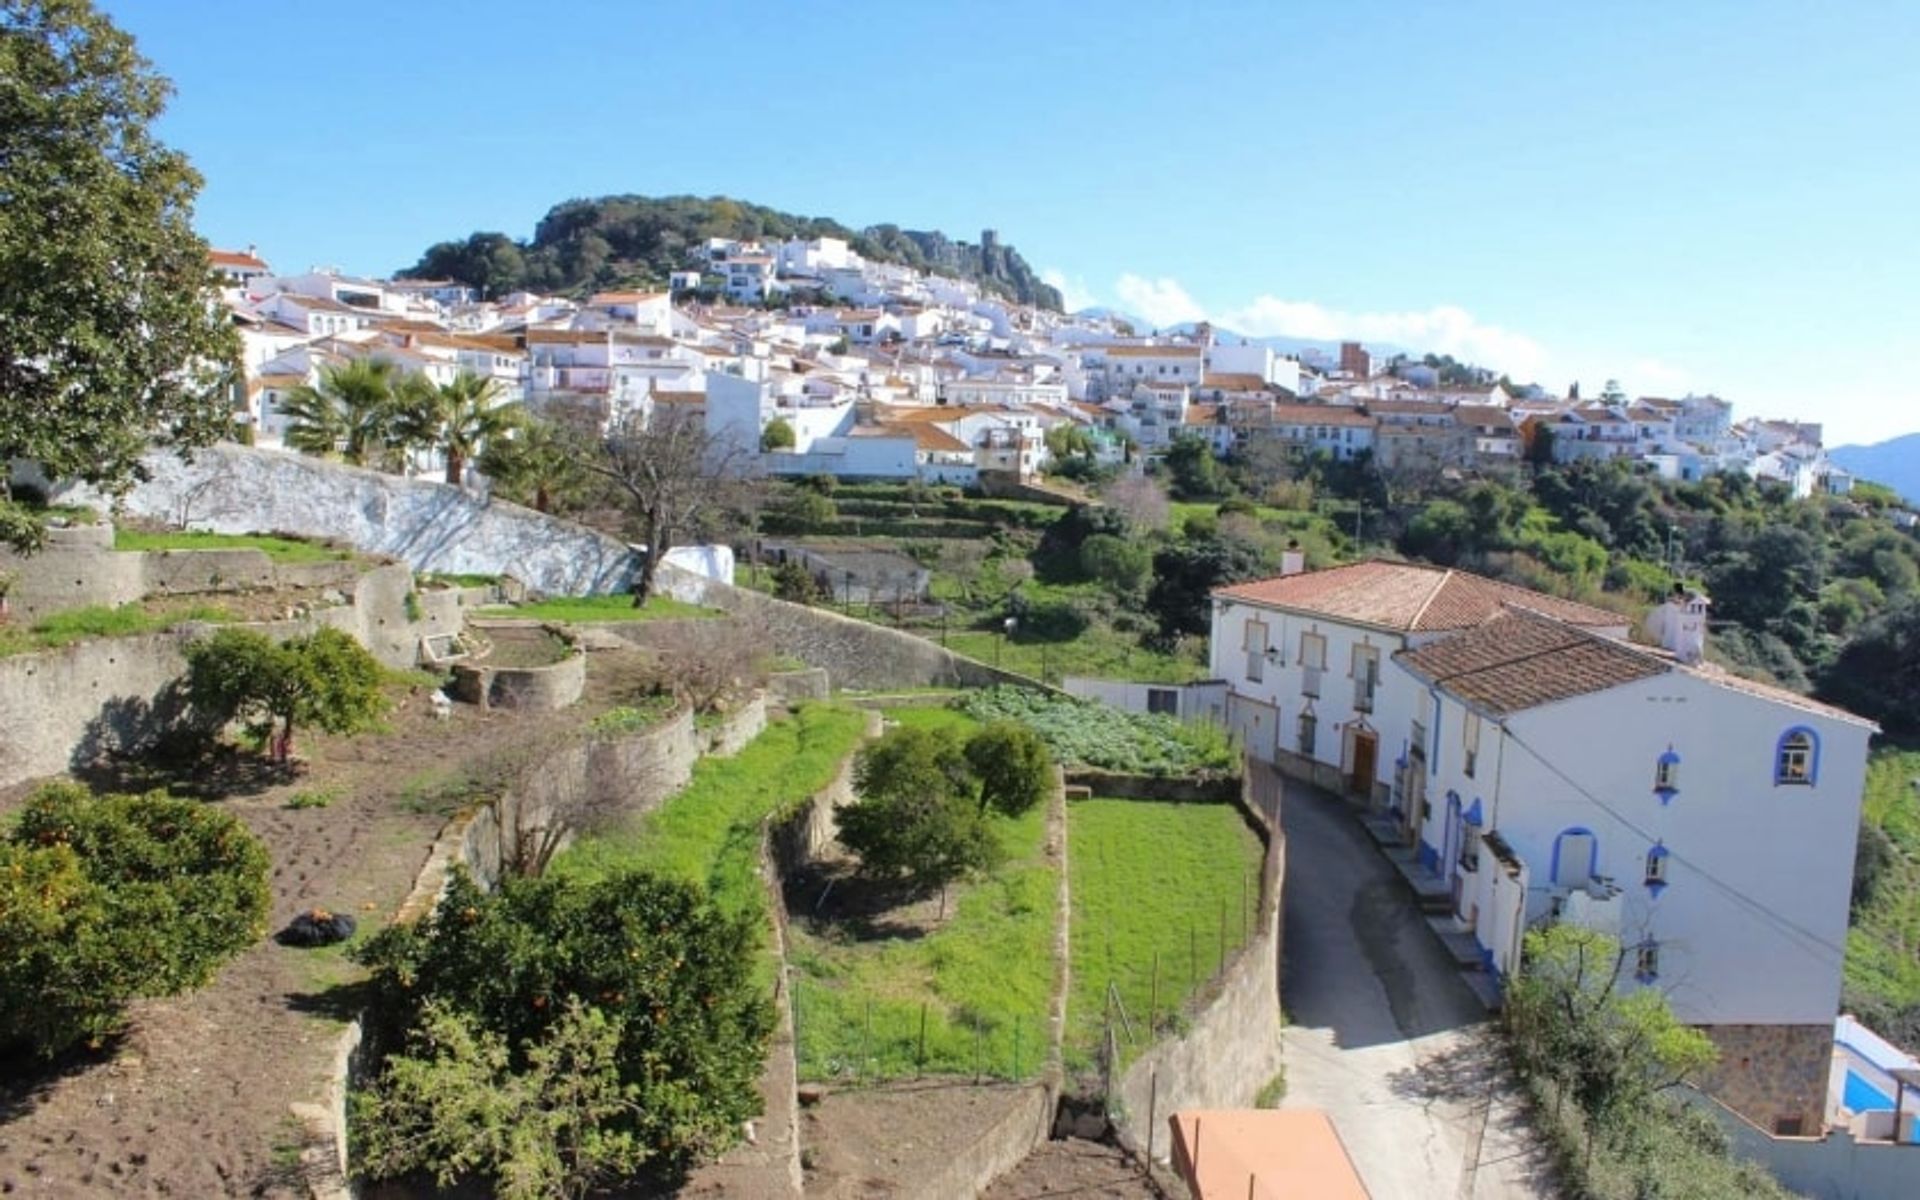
[(625, 241)]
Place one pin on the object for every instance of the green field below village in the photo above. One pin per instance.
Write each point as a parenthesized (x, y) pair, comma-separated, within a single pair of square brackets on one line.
[(1159, 884)]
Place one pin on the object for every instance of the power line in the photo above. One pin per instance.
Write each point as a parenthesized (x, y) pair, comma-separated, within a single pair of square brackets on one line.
[(1753, 905)]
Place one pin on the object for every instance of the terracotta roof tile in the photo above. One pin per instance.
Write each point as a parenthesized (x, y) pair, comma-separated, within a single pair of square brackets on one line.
[(236, 258), (1518, 660), (1410, 597)]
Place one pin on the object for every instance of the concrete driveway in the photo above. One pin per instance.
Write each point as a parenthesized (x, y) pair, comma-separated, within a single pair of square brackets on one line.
[(1382, 1034)]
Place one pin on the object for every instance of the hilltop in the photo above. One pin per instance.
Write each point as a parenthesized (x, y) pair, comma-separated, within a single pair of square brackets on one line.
[(619, 241)]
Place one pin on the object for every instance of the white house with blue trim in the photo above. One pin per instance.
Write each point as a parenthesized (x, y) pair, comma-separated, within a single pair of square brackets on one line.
[(1705, 820), (1304, 656)]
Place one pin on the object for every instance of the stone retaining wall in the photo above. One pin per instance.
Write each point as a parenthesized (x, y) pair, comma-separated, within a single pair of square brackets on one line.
[(644, 768), (430, 525), (62, 708), (435, 526), (1210, 789), (79, 567), (996, 1151), (855, 653), (1232, 1046), (812, 683), (525, 689)]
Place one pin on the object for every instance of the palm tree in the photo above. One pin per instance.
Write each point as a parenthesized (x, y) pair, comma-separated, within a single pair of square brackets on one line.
[(349, 413), (536, 463), (460, 417)]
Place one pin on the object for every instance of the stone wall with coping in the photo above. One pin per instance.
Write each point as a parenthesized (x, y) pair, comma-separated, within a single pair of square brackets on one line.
[(1022, 1125), (79, 567), (61, 708), (524, 689), (435, 526), (76, 567), (856, 654), (430, 525), (1206, 789), (1232, 1045), (1836, 1166), (812, 683)]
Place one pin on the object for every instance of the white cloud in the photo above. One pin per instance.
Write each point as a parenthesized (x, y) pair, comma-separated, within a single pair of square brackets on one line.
[(1157, 301), (1074, 292), (1444, 329)]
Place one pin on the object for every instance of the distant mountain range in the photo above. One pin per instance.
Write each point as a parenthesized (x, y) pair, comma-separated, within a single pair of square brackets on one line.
[(1895, 462)]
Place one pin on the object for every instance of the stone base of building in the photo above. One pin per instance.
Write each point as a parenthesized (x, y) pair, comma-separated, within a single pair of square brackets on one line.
[(1773, 1075)]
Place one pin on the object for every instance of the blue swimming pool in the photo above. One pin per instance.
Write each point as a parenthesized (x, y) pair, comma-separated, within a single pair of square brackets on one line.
[(1862, 1096)]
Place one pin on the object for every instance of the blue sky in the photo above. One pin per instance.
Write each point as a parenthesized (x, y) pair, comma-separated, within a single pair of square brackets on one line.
[(1708, 196)]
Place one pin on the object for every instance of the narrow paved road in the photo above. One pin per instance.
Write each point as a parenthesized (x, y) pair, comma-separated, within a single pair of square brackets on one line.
[(1382, 1034)]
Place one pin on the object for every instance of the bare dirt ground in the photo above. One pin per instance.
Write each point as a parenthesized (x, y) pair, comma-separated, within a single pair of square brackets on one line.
[(878, 1142), (194, 1100), (1074, 1168)]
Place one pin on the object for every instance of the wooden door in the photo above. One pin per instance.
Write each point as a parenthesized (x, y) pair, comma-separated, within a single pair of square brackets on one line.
[(1366, 760)]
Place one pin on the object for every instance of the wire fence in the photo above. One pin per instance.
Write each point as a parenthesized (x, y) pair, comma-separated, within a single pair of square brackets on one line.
[(857, 1039)]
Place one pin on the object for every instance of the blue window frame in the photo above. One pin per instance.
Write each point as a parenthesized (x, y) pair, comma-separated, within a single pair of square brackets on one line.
[(1656, 870), (1796, 758), (1666, 776), (1646, 961)]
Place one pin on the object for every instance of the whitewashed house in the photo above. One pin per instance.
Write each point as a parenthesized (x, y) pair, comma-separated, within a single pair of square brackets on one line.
[(1706, 821), (1304, 657), (239, 270)]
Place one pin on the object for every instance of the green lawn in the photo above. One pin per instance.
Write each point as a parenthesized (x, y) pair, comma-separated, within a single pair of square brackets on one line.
[(586, 609), (709, 832), (1151, 879), (98, 621), (916, 716), (981, 978), (279, 549)]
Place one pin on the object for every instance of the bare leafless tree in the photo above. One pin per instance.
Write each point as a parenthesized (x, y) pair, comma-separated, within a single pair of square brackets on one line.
[(710, 663), (673, 475), (567, 783), (1142, 501)]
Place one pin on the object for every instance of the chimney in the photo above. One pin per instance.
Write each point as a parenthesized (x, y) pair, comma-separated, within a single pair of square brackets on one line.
[(1681, 624), (1292, 561)]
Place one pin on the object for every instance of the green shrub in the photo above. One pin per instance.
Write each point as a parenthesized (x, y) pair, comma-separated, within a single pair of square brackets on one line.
[(454, 1106), (916, 818), (106, 899), (629, 718), (1013, 767), (677, 1029), (792, 581), (325, 679)]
